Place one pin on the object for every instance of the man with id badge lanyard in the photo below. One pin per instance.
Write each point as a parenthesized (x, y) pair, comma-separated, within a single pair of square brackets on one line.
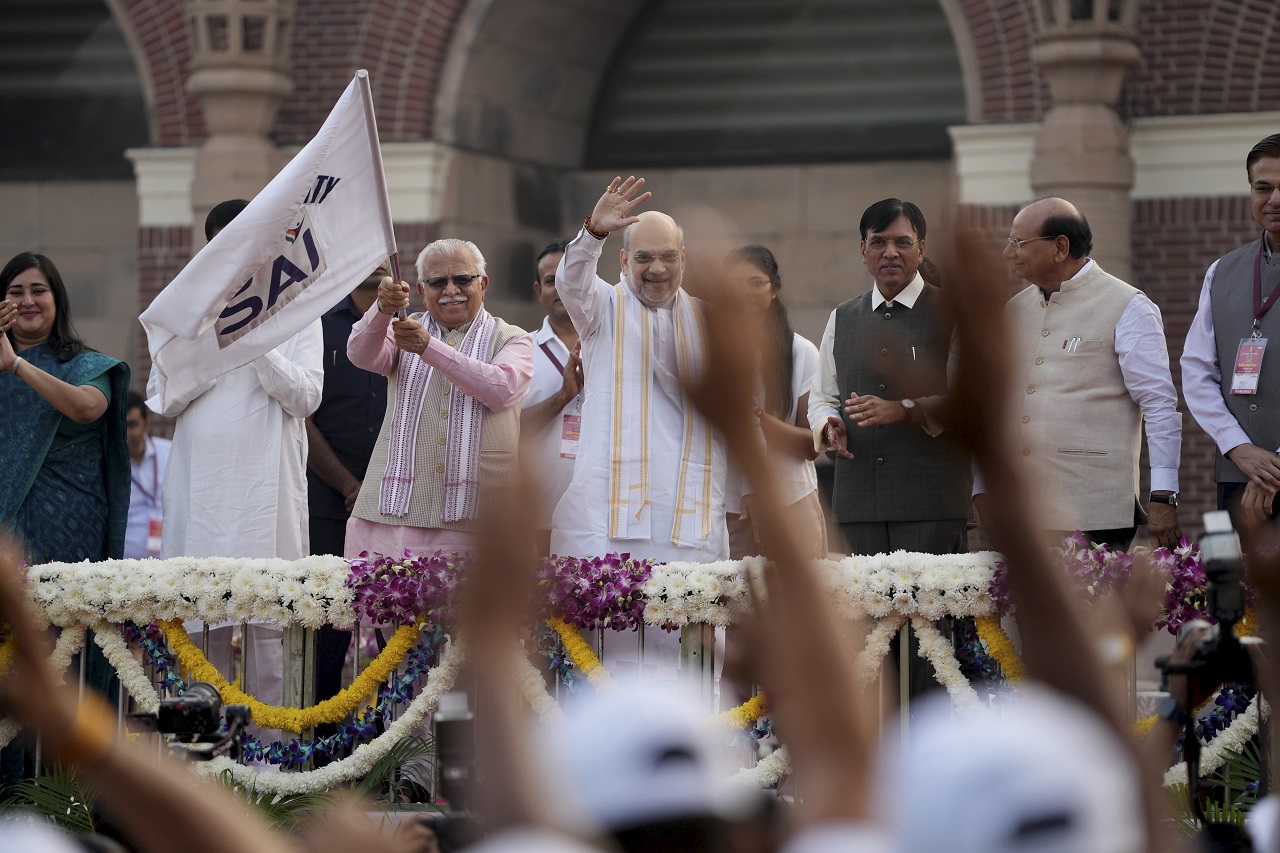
[(1230, 377), (551, 421), (148, 457)]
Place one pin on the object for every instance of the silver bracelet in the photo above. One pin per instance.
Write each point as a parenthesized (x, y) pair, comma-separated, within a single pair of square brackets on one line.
[(17, 359)]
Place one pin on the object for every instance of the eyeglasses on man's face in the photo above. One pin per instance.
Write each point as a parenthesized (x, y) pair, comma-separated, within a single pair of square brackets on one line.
[(902, 244), (669, 259), (1018, 244), (461, 281)]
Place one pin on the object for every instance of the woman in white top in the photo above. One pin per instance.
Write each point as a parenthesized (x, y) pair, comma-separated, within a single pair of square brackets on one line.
[(788, 367)]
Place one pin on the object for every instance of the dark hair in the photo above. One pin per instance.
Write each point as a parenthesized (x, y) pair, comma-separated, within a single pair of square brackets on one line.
[(64, 341), (1075, 229), (1269, 147), (778, 334), (880, 216), (134, 400), (221, 215), (555, 247)]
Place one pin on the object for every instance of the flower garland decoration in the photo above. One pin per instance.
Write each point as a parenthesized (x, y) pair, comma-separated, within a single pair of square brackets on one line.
[(1000, 647), (132, 677), (533, 688), (309, 592), (596, 592), (8, 650), (1142, 727), (745, 715), (580, 653), (767, 771), (400, 689), (937, 650), (1229, 742), (267, 716), (402, 591), (876, 647), (358, 764), (70, 642)]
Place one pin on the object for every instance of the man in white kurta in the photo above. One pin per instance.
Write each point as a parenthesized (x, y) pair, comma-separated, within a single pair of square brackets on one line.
[(650, 474), (236, 483)]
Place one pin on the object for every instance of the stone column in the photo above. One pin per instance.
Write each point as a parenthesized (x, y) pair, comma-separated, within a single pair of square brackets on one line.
[(1085, 48), (240, 73)]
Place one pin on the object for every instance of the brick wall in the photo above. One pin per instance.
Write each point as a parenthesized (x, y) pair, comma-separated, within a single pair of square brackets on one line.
[(402, 43), (1199, 56), (160, 31)]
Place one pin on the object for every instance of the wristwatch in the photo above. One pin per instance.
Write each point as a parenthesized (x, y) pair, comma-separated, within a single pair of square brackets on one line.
[(1171, 499), (1168, 709), (910, 406)]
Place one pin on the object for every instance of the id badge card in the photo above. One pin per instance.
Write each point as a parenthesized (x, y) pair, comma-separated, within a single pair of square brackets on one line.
[(570, 430), (155, 533), (1244, 379)]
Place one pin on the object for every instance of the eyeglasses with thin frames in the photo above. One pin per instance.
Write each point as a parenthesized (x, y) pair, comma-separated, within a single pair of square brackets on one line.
[(902, 244), (1018, 244), (461, 281)]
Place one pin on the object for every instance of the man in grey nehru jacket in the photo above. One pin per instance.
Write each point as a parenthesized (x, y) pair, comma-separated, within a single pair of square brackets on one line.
[(1090, 366), (1232, 390)]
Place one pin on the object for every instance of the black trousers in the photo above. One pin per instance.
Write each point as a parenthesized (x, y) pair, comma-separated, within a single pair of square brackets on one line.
[(327, 537)]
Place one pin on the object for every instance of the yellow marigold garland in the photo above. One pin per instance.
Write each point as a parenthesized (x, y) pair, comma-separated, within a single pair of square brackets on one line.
[(1249, 625), (1143, 727), (1000, 647), (579, 651), (8, 650), (331, 710), (745, 715)]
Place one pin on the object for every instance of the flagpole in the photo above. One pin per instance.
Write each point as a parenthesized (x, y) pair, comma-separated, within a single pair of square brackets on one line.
[(375, 149)]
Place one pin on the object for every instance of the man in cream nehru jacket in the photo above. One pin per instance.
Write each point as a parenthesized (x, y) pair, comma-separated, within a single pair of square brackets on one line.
[(1090, 366)]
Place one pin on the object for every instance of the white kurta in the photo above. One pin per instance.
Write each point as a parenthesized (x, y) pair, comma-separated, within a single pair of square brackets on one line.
[(236, 483), (580, 525)]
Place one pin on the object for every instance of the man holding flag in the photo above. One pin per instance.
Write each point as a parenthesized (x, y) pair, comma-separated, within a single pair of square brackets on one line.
[(456, 376), (237, 350)]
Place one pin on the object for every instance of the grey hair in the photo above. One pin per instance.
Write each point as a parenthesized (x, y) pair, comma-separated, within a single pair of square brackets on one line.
[(450, 246), (626, 236)]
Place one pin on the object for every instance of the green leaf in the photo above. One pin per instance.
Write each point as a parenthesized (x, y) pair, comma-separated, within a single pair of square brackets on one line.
[(59, 796), (409, 760)]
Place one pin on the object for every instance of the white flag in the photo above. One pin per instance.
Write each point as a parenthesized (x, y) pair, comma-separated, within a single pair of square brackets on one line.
[(302, 245)]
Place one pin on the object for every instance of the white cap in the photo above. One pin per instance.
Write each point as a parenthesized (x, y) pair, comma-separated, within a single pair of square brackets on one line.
[(637, 755), (1044, 775)]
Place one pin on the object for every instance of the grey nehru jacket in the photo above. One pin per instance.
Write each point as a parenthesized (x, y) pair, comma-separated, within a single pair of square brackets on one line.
[(899, 472), (1231, 298)]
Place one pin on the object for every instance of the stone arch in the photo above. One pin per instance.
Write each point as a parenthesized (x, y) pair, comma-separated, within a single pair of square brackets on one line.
[(156, 31)]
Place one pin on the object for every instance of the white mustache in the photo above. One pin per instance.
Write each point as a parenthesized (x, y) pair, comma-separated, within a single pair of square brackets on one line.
[(455, 300)]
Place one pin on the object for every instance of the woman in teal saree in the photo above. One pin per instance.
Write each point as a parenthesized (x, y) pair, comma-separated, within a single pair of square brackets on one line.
[(65, 491)]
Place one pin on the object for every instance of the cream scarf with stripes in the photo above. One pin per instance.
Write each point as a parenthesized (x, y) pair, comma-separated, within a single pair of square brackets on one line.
[(629, 438)]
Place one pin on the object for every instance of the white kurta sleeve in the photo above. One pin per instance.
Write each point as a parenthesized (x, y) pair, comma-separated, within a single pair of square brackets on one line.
[(1144, 364), (1202, 377), (584, 294), (295, 380), (824, 396)]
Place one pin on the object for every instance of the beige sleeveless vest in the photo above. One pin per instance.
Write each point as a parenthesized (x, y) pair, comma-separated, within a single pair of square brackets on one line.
[(1077, 430), (499, 439)]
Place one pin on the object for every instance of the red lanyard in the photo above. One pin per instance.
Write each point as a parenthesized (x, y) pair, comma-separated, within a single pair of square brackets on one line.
[(1258, 310), (155, 475), (552, 356)]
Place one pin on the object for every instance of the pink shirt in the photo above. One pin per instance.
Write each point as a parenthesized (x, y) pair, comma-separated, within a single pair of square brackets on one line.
[(498, 385)]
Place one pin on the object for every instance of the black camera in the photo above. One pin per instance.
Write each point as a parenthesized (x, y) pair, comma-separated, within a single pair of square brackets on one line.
[(196, 717), (1220, 658), (196, 712)]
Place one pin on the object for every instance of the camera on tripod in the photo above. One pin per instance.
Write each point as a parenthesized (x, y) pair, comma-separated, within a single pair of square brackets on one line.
[(194, 721)]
